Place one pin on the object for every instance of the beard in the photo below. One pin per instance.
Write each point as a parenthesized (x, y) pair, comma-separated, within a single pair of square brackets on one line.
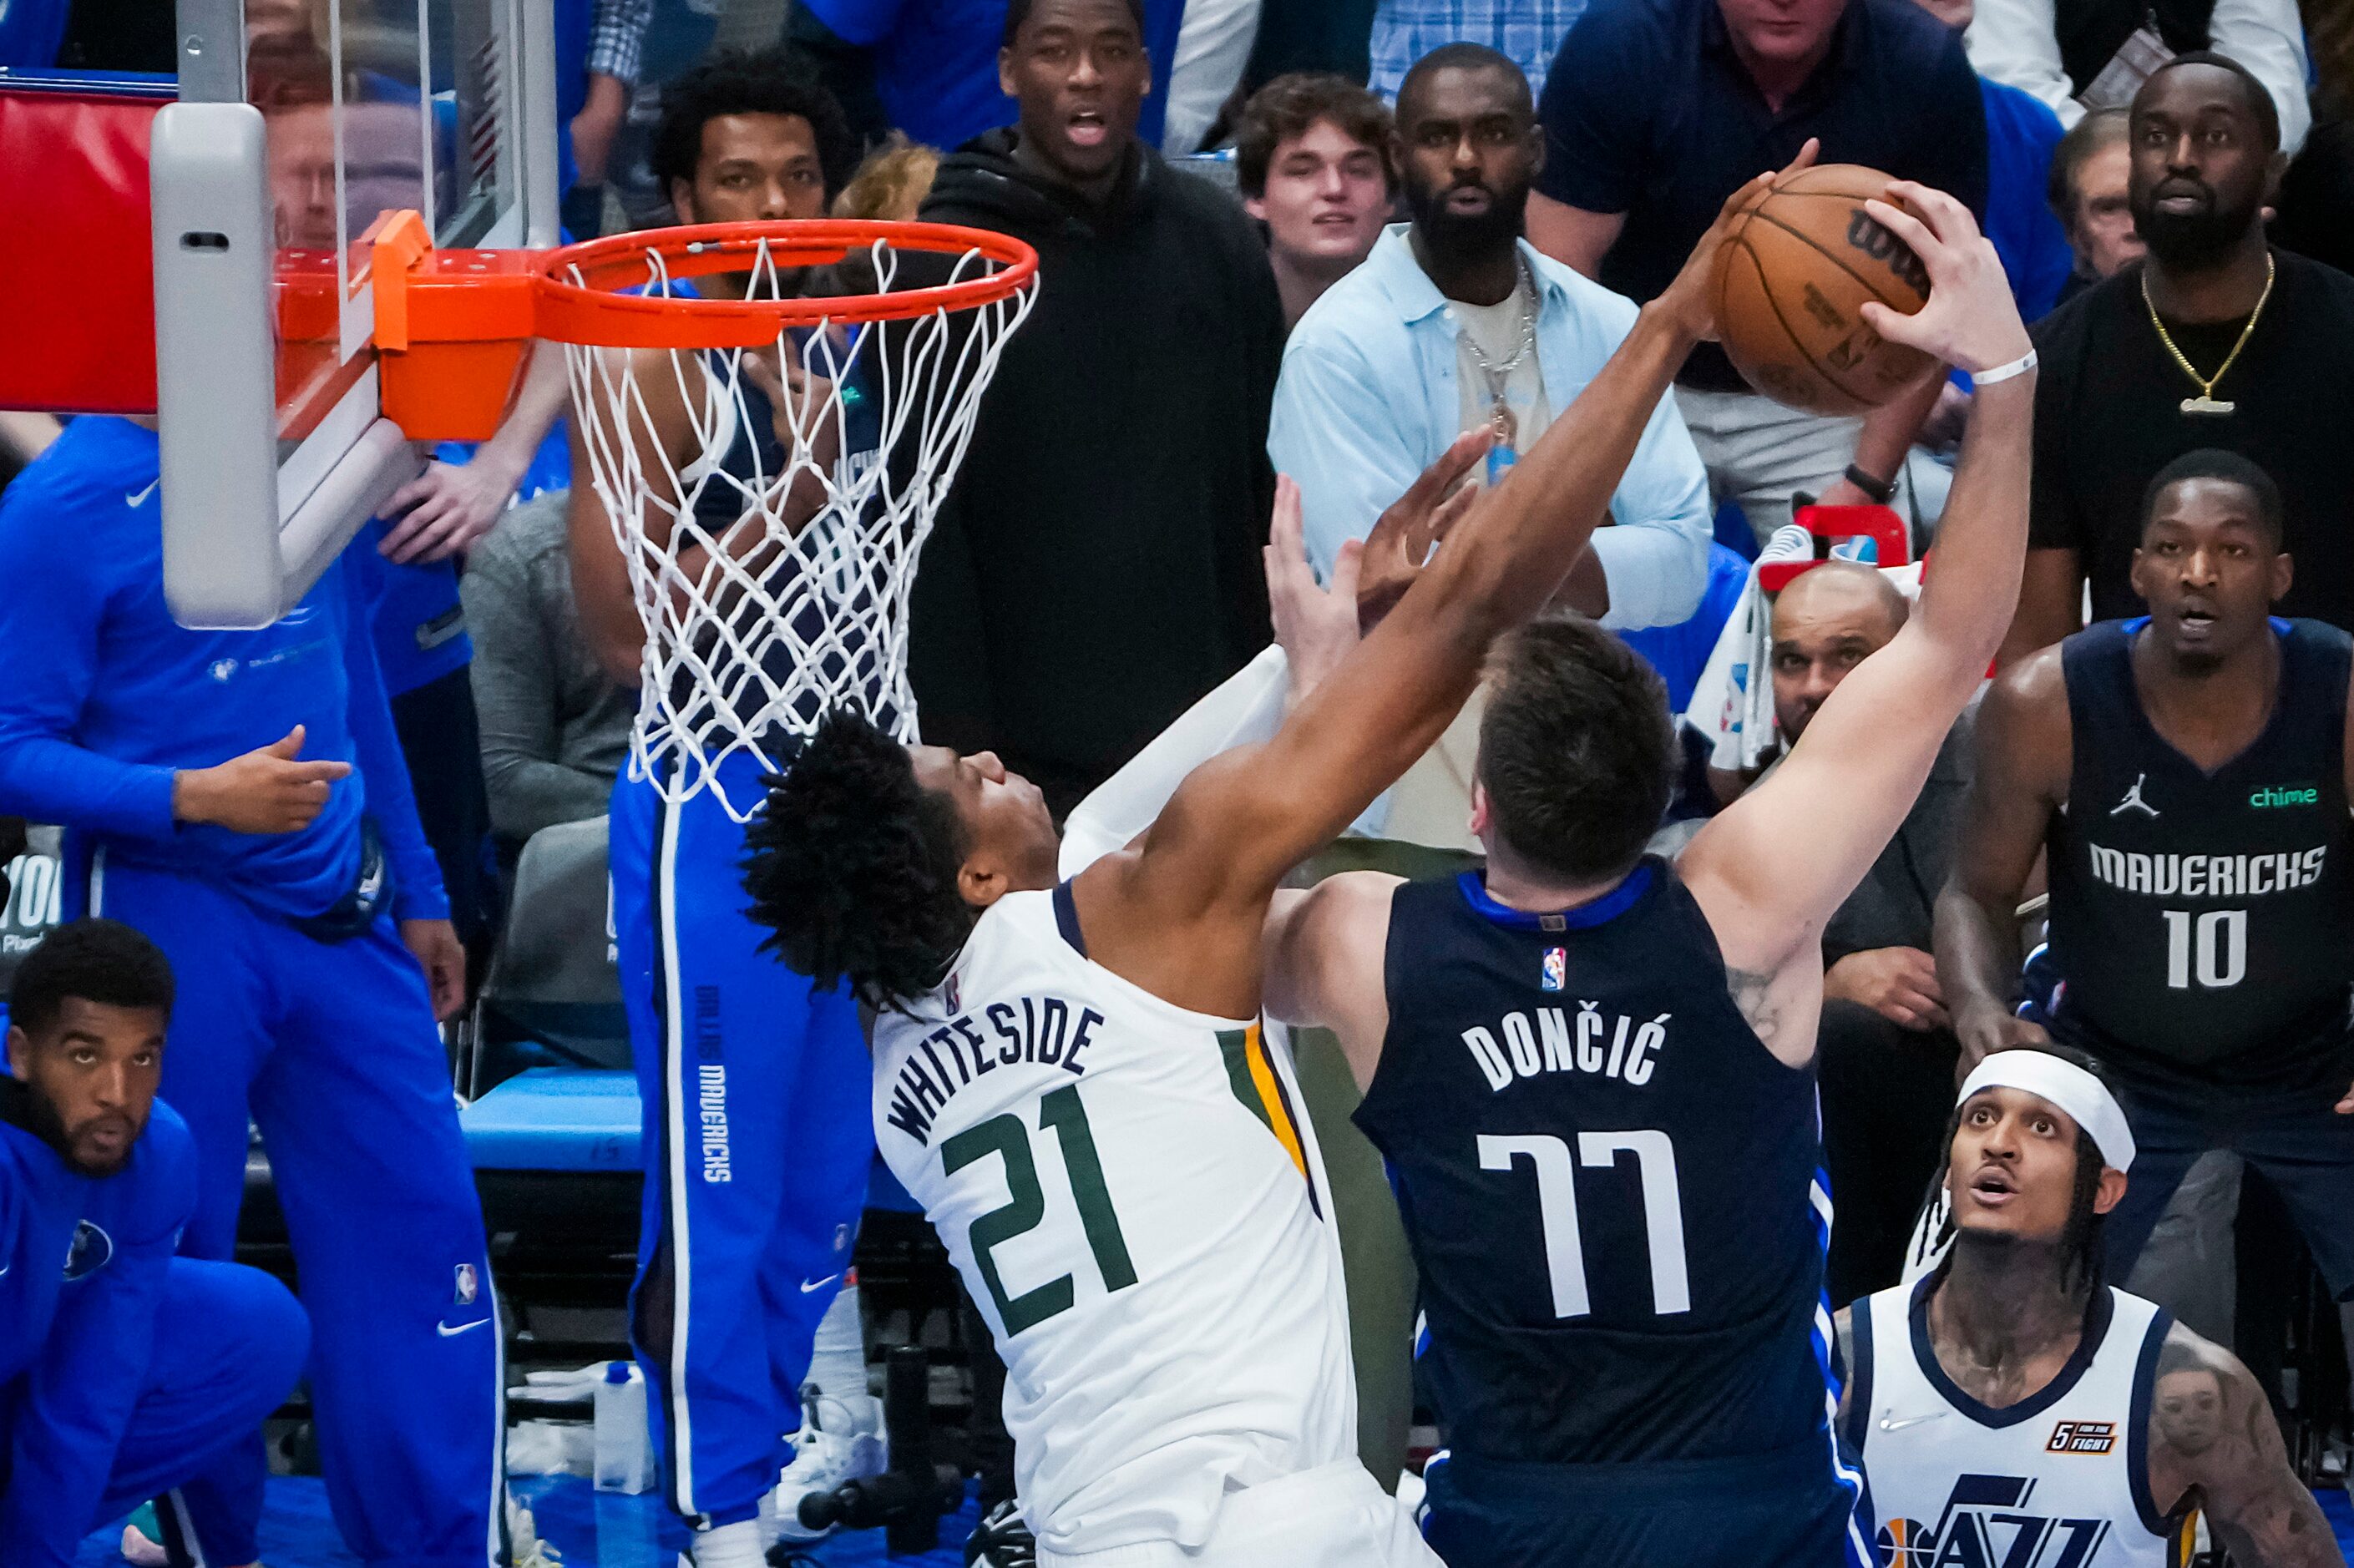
[(1453, 235), (2192, 241), (49, 1127)]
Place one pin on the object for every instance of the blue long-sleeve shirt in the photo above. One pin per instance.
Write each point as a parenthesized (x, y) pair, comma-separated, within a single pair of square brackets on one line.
[(103, 696), (85, 1263)]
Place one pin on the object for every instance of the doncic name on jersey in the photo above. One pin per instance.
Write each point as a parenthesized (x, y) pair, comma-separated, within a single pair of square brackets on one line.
[(1044, 1030), (1611, 1045)]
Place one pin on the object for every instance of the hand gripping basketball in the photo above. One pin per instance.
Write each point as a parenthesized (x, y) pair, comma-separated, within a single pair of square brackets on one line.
[(1971, 321)]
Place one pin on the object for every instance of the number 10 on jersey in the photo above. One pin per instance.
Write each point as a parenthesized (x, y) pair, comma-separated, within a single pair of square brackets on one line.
[(2218, 939)]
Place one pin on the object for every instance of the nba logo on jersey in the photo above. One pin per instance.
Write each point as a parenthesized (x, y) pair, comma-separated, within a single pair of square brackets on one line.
[(2083, 1437), (467, 1287), (1986, 1523), (1556, 969)]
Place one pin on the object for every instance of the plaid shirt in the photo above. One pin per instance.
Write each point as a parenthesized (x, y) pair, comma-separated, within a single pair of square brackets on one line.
[(617, 37), (1528, 32)]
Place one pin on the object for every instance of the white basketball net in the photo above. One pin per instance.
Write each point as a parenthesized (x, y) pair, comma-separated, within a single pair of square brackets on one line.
[(773, 578)]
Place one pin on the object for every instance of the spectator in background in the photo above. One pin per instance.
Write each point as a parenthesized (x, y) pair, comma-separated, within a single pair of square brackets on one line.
[(2217, 339), (1455, 323), (1312, 157), (1887, 1049), (2077, 55), (1213, 48), (554, 725), (1526, 32), (2091, 173), (933, 68), (2021, 133), (1657, 110), (892, 182), (1095, 567)]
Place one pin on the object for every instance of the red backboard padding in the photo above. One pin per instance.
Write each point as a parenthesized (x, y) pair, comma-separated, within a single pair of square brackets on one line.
[(75, 271)]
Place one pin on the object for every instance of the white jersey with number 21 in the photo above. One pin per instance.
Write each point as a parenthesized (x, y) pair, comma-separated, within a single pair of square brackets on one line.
[(1143, 1219)]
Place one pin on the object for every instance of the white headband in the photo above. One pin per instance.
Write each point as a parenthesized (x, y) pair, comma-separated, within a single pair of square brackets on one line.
[(2065, 1085)]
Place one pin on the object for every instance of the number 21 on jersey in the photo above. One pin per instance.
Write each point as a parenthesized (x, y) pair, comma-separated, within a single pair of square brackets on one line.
[(1008, 1137), (1663, 1213)]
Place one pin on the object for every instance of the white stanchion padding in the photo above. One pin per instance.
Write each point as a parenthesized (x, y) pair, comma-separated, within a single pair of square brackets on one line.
[(2065, 1085)]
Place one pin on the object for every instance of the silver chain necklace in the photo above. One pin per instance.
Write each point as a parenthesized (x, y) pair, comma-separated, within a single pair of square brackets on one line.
[(1501, 418)]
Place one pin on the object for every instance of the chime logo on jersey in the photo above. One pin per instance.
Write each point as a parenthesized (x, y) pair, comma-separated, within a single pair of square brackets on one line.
[(1556, 969), (2083, 1437), (1987, 1522)]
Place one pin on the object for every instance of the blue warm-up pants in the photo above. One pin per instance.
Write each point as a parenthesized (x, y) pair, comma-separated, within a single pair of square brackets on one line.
[(756, 1088), (230, 1344), (332, 1049)]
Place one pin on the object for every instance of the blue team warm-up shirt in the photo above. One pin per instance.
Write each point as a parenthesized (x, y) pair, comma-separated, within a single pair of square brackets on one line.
[(84, 1267), (103, 696)]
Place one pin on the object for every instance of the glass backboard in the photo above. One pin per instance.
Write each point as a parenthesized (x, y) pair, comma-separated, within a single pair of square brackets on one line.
[(300, 124)]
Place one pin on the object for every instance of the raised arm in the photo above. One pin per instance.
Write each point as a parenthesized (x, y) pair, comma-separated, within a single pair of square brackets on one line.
[(1773, 867), (2023, 745), (1240, 823), (2213, 1444)]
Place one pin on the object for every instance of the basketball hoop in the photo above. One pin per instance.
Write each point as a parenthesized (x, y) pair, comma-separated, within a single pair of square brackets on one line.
[(772, 575)]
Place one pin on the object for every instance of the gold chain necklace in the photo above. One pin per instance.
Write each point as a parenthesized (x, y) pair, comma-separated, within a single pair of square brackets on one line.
[(2205, 403)]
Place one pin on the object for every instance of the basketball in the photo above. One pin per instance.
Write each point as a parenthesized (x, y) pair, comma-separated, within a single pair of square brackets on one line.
[(1790, 285)]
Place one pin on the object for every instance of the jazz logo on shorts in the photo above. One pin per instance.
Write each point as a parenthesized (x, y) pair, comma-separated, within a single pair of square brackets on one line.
[(468, 1288), (2083, 1437), (1556, 969)]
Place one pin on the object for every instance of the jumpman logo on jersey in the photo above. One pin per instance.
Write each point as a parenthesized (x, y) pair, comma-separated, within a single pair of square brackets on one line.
[(2133, 800)]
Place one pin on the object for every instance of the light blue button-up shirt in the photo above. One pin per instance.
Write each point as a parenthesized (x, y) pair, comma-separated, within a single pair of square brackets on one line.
[(1369, 398)]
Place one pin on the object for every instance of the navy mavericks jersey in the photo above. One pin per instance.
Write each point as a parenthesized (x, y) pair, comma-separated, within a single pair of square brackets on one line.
[(2199, 921), (1605, 1176)]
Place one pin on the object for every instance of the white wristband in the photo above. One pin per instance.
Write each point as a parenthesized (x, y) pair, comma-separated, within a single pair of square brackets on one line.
[(2018, 366)]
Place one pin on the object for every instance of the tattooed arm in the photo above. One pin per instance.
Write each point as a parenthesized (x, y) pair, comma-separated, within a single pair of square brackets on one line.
[(2213, 1444)]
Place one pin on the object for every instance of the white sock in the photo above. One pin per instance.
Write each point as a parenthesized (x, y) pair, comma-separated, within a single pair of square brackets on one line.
[(734, 1545), (770, 1532), (838, 1361)]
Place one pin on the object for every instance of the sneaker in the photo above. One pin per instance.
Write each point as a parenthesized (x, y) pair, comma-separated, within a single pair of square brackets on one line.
[(524, 1548), (833, 1446), (1001, 1539)]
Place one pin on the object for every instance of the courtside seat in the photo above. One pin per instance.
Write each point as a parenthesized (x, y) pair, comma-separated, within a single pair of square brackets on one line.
[(556, 1118)]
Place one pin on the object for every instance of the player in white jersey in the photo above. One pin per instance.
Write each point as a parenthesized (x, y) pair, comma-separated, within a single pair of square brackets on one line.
[(2012, 1409), (1068, 1077)]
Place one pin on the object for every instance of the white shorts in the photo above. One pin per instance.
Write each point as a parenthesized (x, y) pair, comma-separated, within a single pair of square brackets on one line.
[(1333, 1516)]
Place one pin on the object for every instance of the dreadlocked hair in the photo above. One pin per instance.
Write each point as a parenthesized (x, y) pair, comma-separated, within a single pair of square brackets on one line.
[(852, 866), (2081, 1250)]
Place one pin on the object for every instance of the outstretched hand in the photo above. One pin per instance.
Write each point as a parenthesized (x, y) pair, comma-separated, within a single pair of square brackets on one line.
[(1315, 624), (1690, 301), (1971, 320), (1416, 525)]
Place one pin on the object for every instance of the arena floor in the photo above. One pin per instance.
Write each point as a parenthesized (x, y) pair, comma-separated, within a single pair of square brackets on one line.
[(591, 1529), (594, 1532)]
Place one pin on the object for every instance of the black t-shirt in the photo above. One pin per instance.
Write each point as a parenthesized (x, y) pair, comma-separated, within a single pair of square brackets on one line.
[(2108, 416), (1647, 112)]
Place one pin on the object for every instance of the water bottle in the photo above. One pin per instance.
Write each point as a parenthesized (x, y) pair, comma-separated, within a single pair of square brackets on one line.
[(625, 1455)]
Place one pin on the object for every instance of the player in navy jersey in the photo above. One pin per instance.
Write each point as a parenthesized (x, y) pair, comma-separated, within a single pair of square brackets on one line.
[(1591, 1072), (754, 1081), (2013, 1408), (2186, 776)]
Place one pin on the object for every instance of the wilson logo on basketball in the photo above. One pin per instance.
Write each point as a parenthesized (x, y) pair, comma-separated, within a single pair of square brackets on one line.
[(2083, 1437), (1866, 234)]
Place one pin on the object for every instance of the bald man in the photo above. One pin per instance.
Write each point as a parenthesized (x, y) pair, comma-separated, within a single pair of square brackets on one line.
[(1887, 1046)]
